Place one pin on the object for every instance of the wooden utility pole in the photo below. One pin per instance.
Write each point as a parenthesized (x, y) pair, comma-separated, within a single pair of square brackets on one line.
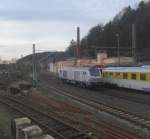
[(134, 42)]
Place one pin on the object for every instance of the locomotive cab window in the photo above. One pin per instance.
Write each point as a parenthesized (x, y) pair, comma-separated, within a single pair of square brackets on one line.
[(94, 71), (142, 76)]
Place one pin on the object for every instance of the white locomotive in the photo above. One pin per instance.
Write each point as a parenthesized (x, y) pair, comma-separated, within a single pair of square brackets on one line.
[(84, 76), (137, 78)]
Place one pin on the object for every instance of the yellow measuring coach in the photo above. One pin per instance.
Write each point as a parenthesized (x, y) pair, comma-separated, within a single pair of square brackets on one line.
[(128, 77)]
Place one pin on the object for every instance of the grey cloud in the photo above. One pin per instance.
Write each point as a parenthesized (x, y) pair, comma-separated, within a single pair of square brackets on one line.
[(43, 15), (23, 22), (60, 10)]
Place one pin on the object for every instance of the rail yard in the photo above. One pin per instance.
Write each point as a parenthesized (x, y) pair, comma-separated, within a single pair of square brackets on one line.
[(95, 86), (67, 111), (81, 102)]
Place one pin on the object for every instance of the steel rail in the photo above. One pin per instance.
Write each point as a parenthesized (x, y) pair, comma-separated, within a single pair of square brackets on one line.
[(124, 95), (137, 120), (35, 114)]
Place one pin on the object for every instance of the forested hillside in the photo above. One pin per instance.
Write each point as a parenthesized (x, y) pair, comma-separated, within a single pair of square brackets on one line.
[(105, 35)]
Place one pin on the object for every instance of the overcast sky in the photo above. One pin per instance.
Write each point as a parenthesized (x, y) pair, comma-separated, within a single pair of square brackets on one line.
[(51, 24)]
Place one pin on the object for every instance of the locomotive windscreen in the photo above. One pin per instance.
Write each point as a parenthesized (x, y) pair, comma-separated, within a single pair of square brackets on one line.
[(94, 71)]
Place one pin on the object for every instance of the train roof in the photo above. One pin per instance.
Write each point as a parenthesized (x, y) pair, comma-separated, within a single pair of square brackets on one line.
[(76, 68), (143, 69)]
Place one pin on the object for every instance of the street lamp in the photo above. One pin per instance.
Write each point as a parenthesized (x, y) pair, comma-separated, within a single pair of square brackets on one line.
[(118, 48)]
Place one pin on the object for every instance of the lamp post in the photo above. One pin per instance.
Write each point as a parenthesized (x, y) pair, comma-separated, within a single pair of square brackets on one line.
[(118, 48)]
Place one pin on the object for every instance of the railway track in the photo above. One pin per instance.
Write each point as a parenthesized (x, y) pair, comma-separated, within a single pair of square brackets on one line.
[(129, 95), (121, 93), (138, 120), (125, 94), (60, 129), (56, 127), (102, 129), (132, 118)]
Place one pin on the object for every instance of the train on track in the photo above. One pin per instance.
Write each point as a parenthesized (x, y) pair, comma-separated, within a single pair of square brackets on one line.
[(83, 76), (137, 78)]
